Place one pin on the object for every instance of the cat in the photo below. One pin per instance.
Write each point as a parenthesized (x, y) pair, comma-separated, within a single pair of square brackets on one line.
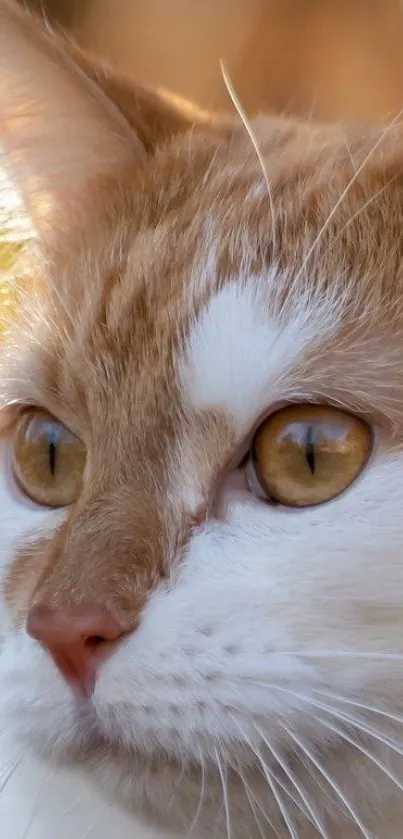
[(202, 467)]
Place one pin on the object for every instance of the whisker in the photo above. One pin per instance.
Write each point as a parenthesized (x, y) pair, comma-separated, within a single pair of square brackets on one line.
[(335, 787), (362, 209), (272, 784), (224, 785), (273, 775), (362, 705), (375, 656), (9, 774), (201, 797), (345, 192), (253, 810), (362, 726), (248, 127), (381, 766), (342, 715), (301, 792), (177, 784), (70, 807), (280, 803), (283, 809), (309, 770), (348, 150), (253, 803)]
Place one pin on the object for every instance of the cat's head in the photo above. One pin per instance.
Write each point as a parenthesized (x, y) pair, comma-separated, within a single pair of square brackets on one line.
[(202, 431)]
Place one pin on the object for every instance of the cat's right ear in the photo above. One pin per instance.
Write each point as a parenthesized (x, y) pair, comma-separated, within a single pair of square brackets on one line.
[(59, 128), (67, 121)]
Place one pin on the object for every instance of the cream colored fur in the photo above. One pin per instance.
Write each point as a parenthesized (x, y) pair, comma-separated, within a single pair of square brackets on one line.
[(181, 296)]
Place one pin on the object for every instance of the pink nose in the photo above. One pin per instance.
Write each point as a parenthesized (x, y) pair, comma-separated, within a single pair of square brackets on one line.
[(76, 640)]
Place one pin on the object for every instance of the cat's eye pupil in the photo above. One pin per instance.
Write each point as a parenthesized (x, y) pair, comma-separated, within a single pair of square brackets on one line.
[(310, 449), (305, 455), (48, 459), (52, 457)]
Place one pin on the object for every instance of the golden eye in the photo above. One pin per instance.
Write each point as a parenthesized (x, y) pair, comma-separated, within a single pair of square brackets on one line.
[(48, 460), (307, 454)]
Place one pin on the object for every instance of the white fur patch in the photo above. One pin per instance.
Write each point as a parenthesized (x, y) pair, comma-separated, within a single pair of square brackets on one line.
[(240, 359)]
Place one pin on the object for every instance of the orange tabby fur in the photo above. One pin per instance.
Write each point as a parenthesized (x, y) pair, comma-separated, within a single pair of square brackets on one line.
[(156, 213)]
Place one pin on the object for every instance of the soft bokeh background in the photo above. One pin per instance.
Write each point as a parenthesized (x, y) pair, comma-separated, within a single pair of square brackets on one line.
[(341, 57)]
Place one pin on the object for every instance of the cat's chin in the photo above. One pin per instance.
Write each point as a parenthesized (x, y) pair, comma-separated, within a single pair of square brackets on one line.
[(147, 776)]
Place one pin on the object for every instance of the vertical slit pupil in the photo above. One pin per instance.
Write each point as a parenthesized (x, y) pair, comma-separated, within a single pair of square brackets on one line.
[(310, 450), (52, 457)]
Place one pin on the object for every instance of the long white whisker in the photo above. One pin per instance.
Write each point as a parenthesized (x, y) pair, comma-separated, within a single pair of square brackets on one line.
[(362, 726), (362, 705), (283, 810), (372, 656), (224, 785), (345, 192), (271, 782), (342, 715), (273, 774), (9, 774), (320, 782), (177, 784), (247, 125), (253, 809), (253, 803), (290, 775), (382, 768), (348, 150), (201, 797), (361, 209), (335, 787)]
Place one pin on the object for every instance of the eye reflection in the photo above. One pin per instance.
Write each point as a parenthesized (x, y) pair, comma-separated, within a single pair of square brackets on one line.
[(307, 454), (48, 460)]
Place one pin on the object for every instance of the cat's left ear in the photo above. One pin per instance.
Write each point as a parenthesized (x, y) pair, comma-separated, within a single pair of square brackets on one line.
[(65, 123)]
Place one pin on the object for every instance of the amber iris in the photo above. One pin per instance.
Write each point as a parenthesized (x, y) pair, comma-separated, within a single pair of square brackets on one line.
[(48, 460), (308, 454)]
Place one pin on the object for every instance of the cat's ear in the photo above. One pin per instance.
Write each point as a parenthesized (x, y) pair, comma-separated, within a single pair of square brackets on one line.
[(63, 121), (155, 116)]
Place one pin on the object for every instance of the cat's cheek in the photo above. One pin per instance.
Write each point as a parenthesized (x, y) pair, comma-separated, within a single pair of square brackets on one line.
[(20, 518), (36, 707), (204, 658)]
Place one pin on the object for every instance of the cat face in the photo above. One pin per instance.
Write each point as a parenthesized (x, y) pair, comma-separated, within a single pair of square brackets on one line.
[(202, 433)]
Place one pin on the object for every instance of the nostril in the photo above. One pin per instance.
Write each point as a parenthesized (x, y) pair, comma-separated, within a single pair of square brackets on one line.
[(76, 639), (96, 641)]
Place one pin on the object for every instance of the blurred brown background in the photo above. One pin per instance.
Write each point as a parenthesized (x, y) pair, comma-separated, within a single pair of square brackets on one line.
[(335, 58)]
